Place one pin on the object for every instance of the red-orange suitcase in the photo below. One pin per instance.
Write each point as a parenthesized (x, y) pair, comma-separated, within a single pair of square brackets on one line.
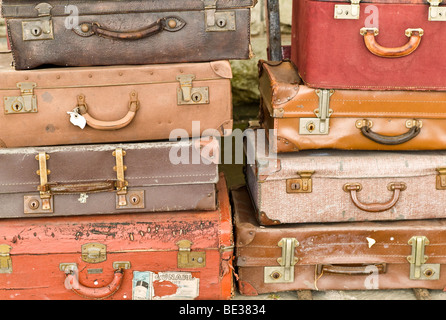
[(133, 256)]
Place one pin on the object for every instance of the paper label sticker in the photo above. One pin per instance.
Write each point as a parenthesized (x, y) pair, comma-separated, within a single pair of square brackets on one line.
[(171, 285)]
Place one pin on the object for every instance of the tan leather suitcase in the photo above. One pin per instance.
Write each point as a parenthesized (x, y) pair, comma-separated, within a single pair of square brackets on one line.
[(340, 185), (109, 179), (299, 117), (336, 256), (62, 106), (131, 32), (148, 256)]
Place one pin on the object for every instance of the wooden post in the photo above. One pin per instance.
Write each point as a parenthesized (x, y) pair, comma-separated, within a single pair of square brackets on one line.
[(273, 33)]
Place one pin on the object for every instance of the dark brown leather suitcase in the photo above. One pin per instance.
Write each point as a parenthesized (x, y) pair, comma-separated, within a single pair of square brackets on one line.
[(108, 178), (336, 256), (149, 256), (113, 104), (87, 33)]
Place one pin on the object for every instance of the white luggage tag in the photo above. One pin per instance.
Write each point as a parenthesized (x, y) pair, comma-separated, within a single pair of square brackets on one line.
[(77, 119)]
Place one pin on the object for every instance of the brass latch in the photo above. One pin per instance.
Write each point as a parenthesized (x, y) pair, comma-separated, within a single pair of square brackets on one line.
[(321, 124), (94, 252), (285, 272), (441, 179), (436, 13), (40, 28), (419, 270), (304, 184), (25, 103), (218, 20), (188, 258), (5, 259), (187, 94), (43, 172), (121, 184), (347, 11)]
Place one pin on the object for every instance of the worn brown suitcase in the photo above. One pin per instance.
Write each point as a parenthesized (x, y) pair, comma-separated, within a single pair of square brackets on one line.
[(300, 118), (146, 256), (61, 106), (87, 33), (108, 178), (341, 185), (336, 256)]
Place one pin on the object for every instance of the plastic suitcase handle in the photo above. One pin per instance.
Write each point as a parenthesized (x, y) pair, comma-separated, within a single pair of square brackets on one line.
[(397, 52)]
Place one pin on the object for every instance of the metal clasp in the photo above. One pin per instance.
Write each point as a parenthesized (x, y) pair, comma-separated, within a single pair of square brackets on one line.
[(321, 124), (304, 184), (441, 179), (188, 95), (285, 272), (347, 11), (5, 259), (25, 103), (189, 259), (419, 270), (40, 28), (94, 252), (121, 183), (436, 13), (43, 172), (218, 20)]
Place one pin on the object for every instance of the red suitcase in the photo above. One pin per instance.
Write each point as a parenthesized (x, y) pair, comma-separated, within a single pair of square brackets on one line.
[(372, 45), (132, 256)]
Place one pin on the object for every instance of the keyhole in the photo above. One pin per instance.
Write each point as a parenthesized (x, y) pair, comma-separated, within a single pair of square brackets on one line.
[(221, 22), (311, 127), (33, 205), (196, 97), (295, 186), (276, 275), (16, 106), (36, 31), (428, 273), (134, 199)]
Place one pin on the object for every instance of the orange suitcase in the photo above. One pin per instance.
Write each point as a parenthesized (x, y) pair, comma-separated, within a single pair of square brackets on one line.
[(134, 256)]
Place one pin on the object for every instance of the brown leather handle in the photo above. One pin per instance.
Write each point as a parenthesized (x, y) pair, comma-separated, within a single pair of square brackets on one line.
[(109, 125), (96, 293), (355, 269), (390, 140), (87, 187), (396, 187), (396, 52), (171, 24)]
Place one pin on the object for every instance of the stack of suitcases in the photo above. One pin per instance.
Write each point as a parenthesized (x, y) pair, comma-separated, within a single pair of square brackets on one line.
[(352, 193), (99, 199)]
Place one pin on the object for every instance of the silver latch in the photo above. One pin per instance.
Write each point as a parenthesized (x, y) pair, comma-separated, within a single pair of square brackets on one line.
[(347, 11), (218, 20), (40, 28), (25, 103), (419, 270), (436, 13), (187, 94), (321, 124), (285, 272)]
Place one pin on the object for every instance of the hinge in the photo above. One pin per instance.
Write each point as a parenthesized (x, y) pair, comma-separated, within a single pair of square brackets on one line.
[(5, 259), (419, 270), (188, 258), (218, 20), (187, 94), (94, 252), (285, 272), (25, 103), (304, 184), (436, 13), (347, 11), (321, 124), (40, 28), (121, 183)]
